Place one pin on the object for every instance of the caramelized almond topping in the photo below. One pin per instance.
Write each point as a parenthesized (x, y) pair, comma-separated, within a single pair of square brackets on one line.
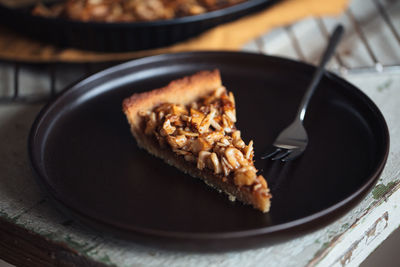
[(245, 176), (128, 10), (204, 133)]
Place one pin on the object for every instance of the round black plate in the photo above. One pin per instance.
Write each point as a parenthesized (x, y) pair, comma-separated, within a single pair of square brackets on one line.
[(84, 156), (122, 37)]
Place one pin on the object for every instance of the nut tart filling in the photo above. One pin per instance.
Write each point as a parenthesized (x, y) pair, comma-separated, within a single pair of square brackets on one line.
[(203, 134), (129, 10)]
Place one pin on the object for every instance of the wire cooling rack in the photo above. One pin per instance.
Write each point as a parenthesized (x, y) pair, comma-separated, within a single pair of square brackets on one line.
[(371, 45)]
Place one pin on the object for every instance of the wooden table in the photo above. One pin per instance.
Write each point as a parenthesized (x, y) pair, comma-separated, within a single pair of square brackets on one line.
[(33, 233)]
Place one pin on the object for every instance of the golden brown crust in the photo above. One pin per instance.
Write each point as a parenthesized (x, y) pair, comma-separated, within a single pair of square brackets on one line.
[(181, 91), (185, 91)]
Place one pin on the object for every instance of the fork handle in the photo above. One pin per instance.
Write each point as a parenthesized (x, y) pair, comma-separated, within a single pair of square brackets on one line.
[(329, 51)]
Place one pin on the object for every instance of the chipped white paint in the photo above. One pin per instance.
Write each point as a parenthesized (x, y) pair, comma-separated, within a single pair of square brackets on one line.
[(349, 240), (353, 246)]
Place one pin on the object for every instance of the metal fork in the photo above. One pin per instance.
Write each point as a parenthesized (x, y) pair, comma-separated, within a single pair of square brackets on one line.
[(293, 140)]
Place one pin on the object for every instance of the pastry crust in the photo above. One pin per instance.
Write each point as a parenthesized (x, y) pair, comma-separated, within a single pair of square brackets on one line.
[(185, 91)]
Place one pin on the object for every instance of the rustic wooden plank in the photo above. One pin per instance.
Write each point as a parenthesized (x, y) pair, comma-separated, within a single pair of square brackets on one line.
[(22, 247), (46, 221), (365, 234)]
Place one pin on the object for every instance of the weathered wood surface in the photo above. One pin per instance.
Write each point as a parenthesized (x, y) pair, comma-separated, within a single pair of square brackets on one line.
[(348, 240)]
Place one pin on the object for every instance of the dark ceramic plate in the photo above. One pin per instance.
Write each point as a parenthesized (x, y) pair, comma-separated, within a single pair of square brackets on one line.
[(122, 37), (85, 158)]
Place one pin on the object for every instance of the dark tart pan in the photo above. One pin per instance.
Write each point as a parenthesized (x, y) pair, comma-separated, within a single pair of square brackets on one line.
[(122, 37)]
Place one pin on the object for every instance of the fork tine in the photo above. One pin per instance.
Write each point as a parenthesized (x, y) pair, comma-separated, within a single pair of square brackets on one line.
[(273, 151), (282, 154), (293, 155)]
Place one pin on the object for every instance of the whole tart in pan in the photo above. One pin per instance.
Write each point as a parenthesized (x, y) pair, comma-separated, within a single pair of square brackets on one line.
[(122, 36), (129, 10)]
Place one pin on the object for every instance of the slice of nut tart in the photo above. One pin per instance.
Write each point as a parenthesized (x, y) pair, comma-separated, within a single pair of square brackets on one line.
[(190, 123)]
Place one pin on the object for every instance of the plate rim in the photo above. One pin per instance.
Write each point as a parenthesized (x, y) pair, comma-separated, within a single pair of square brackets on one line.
[(48, 190)]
